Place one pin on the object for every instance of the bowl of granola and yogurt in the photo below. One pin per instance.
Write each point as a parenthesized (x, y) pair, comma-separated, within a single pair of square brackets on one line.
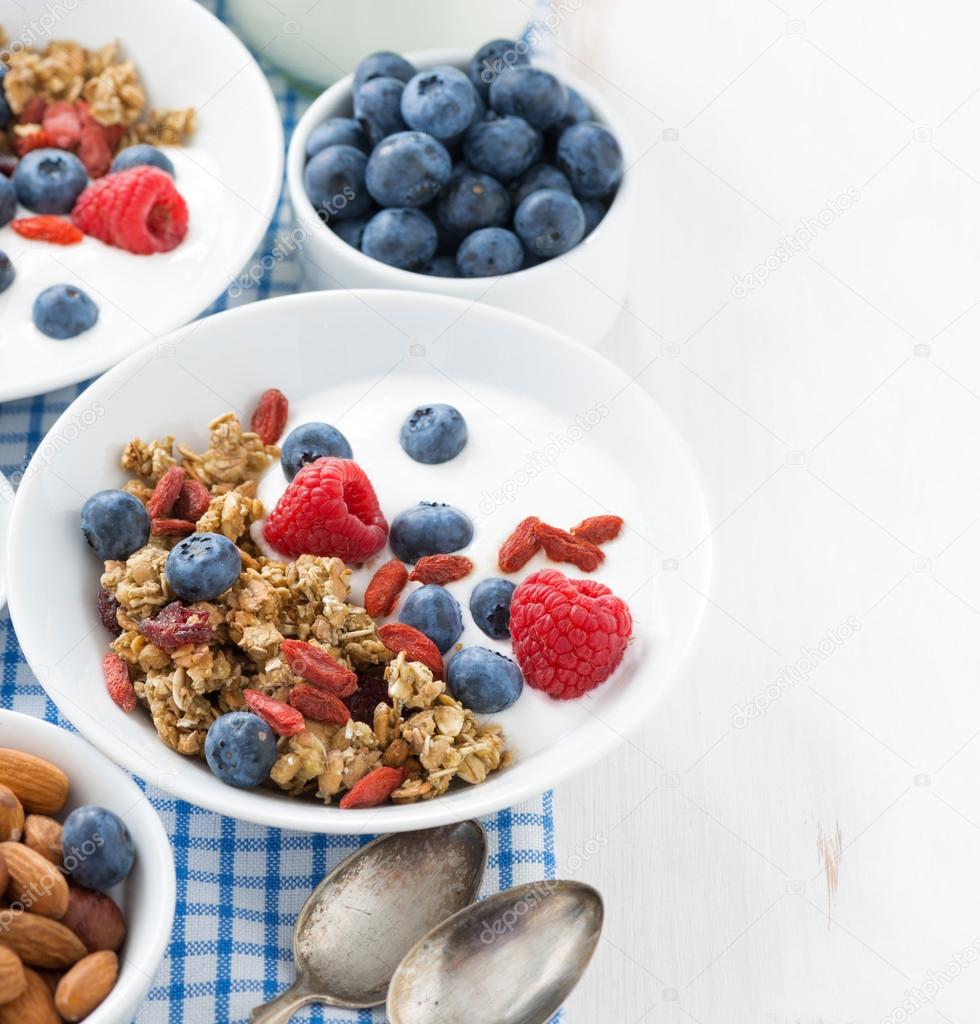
[(81, 85), (354, 703)]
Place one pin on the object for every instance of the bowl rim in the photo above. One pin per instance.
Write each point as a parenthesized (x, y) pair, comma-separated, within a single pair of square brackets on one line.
[(138, 967), (267, 114), (286, 813), (7, 496), (340, 92)]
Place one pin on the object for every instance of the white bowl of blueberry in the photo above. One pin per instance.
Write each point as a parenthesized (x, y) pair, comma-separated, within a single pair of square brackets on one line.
[(480, 176)]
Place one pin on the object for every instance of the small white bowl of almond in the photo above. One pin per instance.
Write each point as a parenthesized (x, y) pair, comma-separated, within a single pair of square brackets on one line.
[(88, 878)]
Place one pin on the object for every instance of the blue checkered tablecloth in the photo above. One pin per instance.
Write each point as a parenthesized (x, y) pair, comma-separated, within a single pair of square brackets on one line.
[(239, 886)]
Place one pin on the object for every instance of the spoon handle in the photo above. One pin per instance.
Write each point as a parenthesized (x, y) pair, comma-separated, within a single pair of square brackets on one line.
[(280, 1009)]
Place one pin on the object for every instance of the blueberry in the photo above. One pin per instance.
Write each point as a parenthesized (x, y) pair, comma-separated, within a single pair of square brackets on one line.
[(202, 567), (407, 169), (377, 107), (490, 607), (549, 222), (49, 180), (440, 101), (492, 59), (383, 64), (594, 211), (483, 680), (488, 252), (334, 181), (590, 155), (312, 441), (531, 93), (97, 849), (400, 237), (502, 146), (337, 131), (429, 528), (438, 266), (8, 202), (240, 749), (7, 272), (6, 114), (64, 311), (115, 524), (433, 434), (432, 610), (139, 156), (352, 229), (472, 200), (536, 178), (576, 112)]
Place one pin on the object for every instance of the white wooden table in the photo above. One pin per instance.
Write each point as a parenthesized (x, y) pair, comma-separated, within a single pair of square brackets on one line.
[(795, 837)]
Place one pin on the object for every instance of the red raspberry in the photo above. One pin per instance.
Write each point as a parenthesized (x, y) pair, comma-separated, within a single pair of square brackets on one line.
[(569, 635), (329, 509), (139, 210)]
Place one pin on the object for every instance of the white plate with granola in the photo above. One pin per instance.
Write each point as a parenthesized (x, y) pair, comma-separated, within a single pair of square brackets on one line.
[(81, 87), (380, 727)]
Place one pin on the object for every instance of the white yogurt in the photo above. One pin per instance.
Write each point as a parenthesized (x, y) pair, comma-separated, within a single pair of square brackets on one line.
[(555, 471)]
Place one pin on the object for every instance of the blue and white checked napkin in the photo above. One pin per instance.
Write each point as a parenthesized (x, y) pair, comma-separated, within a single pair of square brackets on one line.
[(240, 886)]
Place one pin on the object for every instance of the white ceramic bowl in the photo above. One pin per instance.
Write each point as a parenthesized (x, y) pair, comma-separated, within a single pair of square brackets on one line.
[(6, 507), (230, 175), (580, 293), (148, 895), (554, 430)]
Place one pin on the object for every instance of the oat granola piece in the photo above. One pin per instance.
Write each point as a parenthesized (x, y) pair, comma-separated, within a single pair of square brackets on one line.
[(230, 514), (138, 584), (235, 455), (115, 95), (411, 684), (149, 461)]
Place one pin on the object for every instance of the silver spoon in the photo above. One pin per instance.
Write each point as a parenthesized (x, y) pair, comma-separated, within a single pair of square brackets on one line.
[(512, 959), (371, 909)]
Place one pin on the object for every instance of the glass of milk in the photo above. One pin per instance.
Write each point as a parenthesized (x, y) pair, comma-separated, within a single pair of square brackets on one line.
[(320, 42)]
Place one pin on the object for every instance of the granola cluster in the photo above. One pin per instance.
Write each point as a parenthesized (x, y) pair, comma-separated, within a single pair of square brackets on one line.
[(103, 79), (418, 728)]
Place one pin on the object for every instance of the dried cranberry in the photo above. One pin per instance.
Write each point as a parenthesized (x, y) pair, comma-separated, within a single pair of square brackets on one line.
[(108, 606), (370, 693), (175, 626), (8, 164)]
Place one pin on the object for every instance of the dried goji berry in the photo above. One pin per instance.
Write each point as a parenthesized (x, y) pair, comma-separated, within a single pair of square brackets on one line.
[(441, 568), (282, 719), (319, 705), (318, 667), (520, 547), (47, 228), (108, 606), (386, 584), (33, 112), (269, 418), (23, 144), (177, 625), (598, 529), (62, 123), (562, 546), (94, 150), (165, 493), (164, 527), (193, 501), (374, 788), (117, 681), (399, 637)]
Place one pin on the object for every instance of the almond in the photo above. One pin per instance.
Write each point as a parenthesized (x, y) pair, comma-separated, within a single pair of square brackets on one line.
[(39, 785), (43, 836), (11, 816), (39, 941), (34, 1006), (35, 882), (12, 980), (86, 985)]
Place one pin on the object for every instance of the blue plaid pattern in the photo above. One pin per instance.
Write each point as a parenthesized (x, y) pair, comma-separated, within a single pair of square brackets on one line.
[(240, 886)]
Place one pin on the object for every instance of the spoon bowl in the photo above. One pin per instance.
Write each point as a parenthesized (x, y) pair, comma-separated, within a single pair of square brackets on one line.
[(371, 909), (511, 959)]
